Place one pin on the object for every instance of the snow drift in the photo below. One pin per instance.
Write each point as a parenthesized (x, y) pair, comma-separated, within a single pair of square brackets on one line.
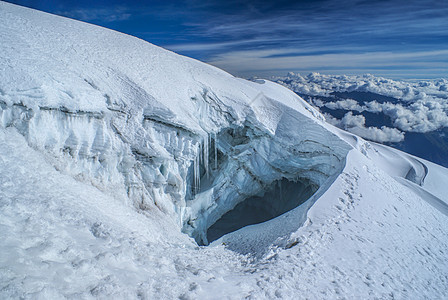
[(165, 144)]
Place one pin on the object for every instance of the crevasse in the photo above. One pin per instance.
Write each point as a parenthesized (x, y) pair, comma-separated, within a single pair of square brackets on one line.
[(156, 129), (201, 179)]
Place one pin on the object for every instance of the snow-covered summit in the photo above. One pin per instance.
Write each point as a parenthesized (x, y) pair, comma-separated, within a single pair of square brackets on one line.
[(113, 152)]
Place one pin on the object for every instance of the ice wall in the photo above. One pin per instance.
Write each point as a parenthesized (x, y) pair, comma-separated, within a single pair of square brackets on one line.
[(250, 160), (195, 177), (151, 127)]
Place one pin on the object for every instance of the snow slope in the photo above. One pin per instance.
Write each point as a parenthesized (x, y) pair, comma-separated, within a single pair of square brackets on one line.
[(117, 157)]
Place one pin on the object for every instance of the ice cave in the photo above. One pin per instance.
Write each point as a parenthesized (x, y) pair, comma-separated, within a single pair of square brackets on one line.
[(236, 179), (280, 197)]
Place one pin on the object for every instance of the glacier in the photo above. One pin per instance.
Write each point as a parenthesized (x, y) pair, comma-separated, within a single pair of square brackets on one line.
[(138, 146), (129, 171)]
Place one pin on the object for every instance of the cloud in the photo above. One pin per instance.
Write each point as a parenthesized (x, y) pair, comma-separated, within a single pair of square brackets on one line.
[(350, 120), (264, 62), (216, 46), (381, 135), (263, 38), (347, 104), (394, 37), (422, 116), (413, 106), (356, 125), (309, 21)]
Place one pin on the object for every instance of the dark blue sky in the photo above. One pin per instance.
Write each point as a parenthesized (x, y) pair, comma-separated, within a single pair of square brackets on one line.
[(399, 39)]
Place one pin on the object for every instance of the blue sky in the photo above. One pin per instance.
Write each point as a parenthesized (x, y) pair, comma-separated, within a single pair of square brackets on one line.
[(398, 39)]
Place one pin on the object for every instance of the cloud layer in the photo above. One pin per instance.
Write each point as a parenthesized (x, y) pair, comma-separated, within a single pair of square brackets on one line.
[(356, 124), (412, 106)]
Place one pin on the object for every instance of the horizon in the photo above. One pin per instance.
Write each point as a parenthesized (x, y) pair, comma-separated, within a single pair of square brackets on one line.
[(394, 39)]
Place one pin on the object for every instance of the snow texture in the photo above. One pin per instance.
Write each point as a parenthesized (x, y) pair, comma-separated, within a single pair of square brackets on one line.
[(117, 157)]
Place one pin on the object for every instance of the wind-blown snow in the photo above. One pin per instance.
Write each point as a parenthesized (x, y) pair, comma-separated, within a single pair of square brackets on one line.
[(114, 152)]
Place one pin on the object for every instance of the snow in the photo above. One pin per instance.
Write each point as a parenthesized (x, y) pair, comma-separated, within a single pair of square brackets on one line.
[(117, 156), (64, 238)]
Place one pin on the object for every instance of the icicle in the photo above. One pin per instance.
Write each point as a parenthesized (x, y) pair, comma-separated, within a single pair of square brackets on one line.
[(197, 178), (205, 150), (216, 152), (196, 170)]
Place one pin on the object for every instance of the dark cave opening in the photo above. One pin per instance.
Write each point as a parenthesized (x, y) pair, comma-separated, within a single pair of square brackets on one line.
[(280, 197)]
